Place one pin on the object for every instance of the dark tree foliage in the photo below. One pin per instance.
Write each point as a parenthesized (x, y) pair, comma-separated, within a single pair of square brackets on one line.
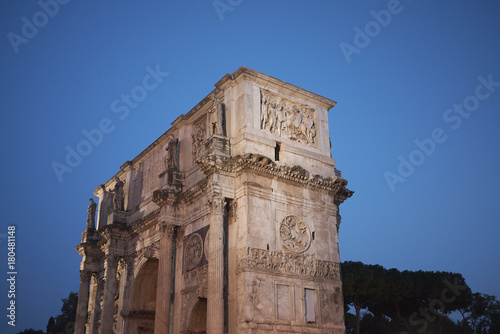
[(393, 301), (363, 284), (51, 325), (482, 314), (65, 321), (31, 331)]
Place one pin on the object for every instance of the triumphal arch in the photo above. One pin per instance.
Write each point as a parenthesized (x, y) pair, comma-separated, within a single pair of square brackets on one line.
[(227, 223)]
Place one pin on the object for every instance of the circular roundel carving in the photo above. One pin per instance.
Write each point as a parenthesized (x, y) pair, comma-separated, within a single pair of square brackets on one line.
[(295, 234), (193, 251)]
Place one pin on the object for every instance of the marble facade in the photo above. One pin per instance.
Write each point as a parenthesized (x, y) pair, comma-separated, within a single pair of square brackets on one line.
[(227, 223)]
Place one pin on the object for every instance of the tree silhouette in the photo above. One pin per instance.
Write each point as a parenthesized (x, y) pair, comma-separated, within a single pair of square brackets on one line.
[(31, 331)]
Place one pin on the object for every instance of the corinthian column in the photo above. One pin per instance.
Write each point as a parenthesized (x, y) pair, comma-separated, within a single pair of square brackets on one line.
[(215, 302), (109, 296), (162, 312), (83, 299)]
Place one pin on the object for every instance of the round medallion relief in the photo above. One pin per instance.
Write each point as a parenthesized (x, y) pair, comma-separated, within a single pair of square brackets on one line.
[(295, 234), (193, 251)]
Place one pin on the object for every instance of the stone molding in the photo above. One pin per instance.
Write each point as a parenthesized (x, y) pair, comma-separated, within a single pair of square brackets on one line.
[(265, 165), (280, 262), (145, 223), (163, 197)]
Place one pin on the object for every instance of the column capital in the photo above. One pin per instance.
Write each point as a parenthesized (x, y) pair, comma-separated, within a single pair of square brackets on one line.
[(85, 275), (216, 204), (166, 229)]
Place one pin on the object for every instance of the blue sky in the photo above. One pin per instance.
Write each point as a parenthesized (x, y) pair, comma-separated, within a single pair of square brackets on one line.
[(400, 72)]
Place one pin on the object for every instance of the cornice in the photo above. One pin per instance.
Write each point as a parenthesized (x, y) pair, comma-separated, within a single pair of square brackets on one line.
[(145, 223), (163, 197), (252, 75), (265, 165)]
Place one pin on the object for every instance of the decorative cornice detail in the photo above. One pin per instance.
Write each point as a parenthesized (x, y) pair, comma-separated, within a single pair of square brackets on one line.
[(145, 223), (265, 165), (163, 197)]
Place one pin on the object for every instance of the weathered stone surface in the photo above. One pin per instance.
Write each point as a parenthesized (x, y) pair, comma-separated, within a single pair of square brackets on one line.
[(227, 223)]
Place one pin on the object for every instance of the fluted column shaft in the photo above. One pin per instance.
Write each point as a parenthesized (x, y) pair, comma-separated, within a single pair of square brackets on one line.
[(215, 302), (164, 285), (109, 296), (83, 300)]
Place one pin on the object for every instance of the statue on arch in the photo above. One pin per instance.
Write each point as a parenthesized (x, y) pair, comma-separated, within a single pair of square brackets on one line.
[(173, 154), (217, 123), (118, 198), (91, 214)]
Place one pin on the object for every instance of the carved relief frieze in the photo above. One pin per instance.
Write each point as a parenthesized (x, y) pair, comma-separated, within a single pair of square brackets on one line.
[(287, 263), (294, 234), (196, 277), (286, 118)]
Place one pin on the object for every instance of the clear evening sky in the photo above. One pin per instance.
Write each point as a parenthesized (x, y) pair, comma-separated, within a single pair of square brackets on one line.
[(415, 131)]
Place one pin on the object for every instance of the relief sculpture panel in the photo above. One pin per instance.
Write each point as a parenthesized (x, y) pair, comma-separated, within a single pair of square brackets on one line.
[(288, 119), (287, 263)]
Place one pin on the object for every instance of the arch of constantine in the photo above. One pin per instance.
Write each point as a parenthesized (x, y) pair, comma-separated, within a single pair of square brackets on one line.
[(227, 223)]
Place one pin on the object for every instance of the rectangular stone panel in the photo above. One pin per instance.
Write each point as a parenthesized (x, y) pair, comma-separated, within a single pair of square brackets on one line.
[(283, 302)]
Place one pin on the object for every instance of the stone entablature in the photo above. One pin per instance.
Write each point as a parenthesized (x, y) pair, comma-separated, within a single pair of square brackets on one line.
[(204, 222)]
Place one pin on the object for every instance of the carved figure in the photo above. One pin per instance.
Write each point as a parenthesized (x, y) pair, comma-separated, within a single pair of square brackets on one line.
[(118, 199), (173, 154), (254, 295), (217, 120), (91, 214)]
